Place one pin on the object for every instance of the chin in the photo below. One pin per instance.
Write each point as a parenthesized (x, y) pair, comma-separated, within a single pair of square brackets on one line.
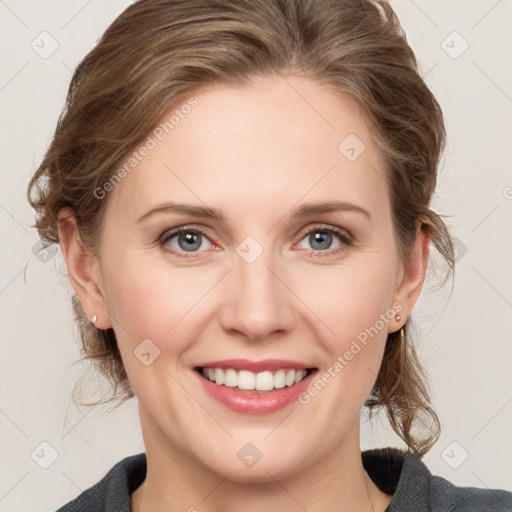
[(261, 473), (273, 465)]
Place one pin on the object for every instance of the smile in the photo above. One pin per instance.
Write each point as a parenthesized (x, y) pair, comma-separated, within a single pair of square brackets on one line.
[(254, 387), (247, 380)]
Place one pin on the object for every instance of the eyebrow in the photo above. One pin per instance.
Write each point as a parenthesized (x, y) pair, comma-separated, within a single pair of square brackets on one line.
[(305, 210)]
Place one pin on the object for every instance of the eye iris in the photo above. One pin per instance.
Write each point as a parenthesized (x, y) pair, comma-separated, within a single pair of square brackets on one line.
[(323, 238), (193, 241)]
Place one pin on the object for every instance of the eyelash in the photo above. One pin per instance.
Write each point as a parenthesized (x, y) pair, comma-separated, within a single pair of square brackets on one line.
[(343, 236)]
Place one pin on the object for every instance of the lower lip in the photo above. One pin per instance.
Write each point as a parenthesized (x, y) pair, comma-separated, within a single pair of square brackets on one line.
[(256, 402)]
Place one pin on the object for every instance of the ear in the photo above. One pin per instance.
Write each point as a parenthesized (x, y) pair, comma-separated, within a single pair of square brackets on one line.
[(83, 269), (412, 273)]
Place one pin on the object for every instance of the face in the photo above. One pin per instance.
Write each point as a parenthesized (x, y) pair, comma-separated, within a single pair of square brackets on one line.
[(271, 280)]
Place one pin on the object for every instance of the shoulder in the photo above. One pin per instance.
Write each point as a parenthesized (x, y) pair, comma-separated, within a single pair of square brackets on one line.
[(413, 486), (112, 492), (446, 496)]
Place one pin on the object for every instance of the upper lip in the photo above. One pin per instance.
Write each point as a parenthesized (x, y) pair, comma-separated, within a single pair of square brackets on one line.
[(255, 366)]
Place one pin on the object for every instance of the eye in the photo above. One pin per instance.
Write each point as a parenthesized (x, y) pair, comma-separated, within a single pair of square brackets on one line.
[(321, 239), (185, 240)]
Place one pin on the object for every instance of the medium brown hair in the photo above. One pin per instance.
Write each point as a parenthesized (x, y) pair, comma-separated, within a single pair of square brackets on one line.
[(158, 51)]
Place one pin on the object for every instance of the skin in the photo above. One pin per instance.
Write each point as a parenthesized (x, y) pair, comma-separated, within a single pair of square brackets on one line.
[(254, 152)]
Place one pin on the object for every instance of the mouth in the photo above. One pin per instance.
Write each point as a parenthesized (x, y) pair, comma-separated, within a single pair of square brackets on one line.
[(254, 382), (255, 387)]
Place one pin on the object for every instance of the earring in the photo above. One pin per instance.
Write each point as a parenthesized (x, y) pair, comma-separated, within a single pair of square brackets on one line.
[(93, 319), (398, 318)]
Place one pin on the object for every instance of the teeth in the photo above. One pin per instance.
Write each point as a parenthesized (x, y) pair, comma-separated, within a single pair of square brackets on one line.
[(230, 378), (264, 381), (246, 380), (280, 379), (218, 376), (290, 378)]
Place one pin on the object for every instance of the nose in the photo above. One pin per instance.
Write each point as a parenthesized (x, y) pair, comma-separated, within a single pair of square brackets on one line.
[(258, 301)]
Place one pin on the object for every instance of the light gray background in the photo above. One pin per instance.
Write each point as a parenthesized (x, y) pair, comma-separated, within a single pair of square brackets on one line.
[(466, 341)]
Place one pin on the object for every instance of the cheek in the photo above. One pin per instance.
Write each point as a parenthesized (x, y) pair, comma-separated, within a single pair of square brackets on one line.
[(349, 298), (149, 301), (352, 309), (142, 306)]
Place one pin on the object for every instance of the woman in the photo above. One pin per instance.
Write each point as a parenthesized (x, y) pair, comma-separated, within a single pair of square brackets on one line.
[(241, 193)]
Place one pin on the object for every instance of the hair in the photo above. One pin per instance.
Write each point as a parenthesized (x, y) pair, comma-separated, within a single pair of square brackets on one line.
[(159, 51)]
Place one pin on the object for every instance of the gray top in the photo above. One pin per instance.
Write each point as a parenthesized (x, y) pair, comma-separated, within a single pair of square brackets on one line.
[(395, 472)]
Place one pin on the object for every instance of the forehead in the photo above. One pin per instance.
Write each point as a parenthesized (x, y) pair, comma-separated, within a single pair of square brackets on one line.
[(269, 143)]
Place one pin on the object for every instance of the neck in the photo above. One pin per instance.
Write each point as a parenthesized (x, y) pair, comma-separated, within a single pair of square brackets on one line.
[(337, 482)]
